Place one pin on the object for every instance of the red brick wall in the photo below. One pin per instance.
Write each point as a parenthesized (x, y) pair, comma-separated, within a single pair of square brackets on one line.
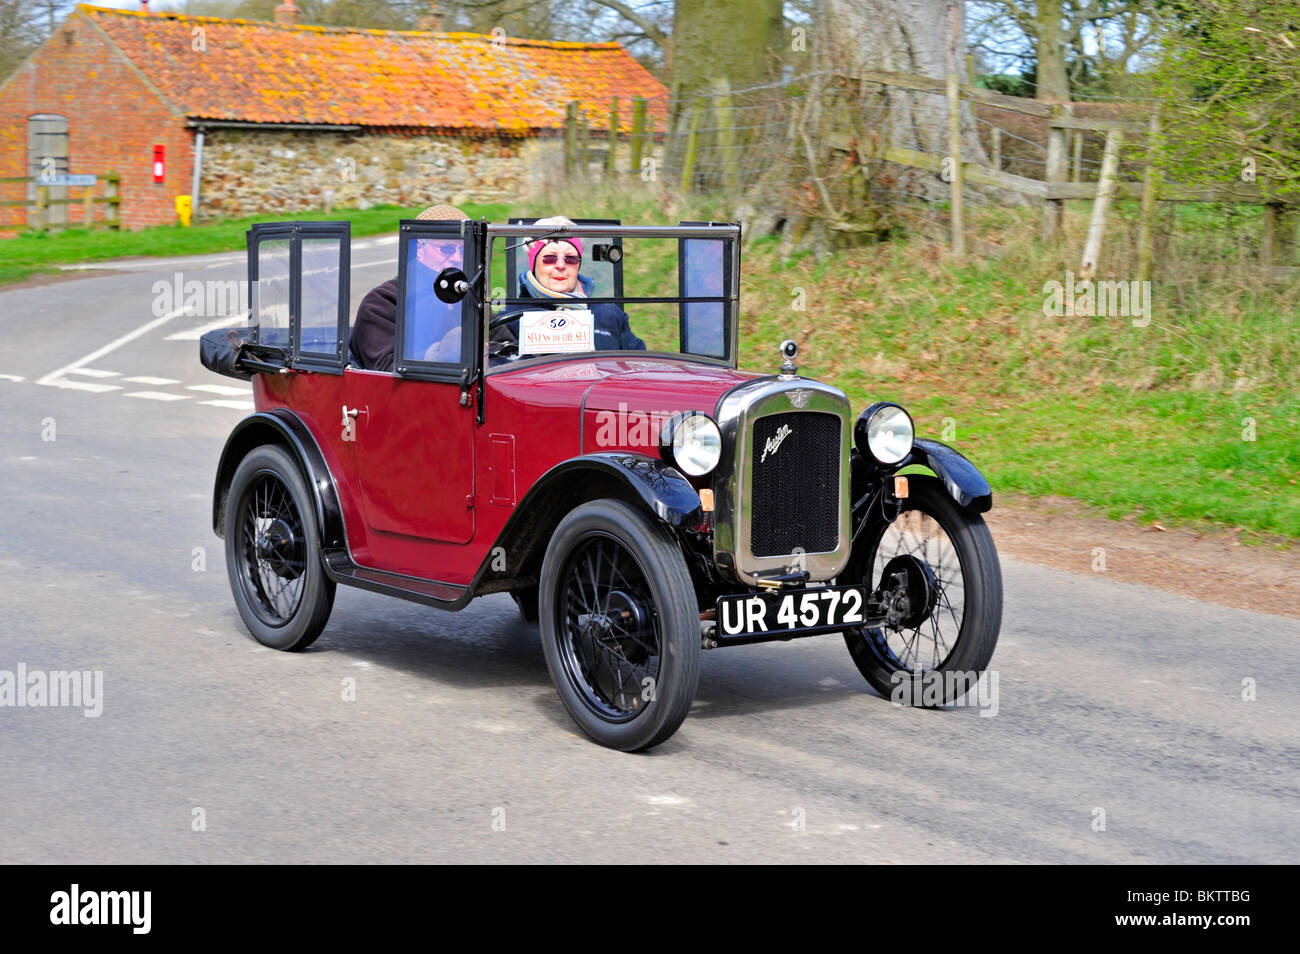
[(114, 120)]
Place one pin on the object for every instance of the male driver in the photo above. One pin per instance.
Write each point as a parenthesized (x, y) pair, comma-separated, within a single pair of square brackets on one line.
[(376, 324)]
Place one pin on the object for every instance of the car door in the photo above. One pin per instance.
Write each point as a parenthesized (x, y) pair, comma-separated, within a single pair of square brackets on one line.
[(413, 429)]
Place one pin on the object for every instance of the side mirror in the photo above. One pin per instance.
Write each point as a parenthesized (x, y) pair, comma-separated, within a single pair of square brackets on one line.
[(451, 285)]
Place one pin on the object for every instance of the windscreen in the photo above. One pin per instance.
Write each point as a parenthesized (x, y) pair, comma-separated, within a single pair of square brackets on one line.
[(559, 294)]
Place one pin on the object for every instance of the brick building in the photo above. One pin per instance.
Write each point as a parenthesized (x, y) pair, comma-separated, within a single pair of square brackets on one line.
[(274, 114)]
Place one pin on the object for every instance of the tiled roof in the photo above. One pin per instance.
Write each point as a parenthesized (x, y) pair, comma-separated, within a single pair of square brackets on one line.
[(254, 71)]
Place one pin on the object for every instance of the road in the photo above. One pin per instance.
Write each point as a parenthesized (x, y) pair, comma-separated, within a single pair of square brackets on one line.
[(1120, 735)]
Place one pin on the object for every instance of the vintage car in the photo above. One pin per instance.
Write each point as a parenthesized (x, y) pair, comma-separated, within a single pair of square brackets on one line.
[(641, 505)]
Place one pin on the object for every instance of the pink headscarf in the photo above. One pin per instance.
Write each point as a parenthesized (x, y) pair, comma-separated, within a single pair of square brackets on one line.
[(540, 244)]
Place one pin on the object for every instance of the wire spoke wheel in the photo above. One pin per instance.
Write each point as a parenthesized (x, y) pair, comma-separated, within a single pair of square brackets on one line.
[(936, 571), (272, 552), (620, 624), (610, 629), (920, 645)]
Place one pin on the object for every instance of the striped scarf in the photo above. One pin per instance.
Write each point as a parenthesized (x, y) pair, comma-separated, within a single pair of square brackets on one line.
[(537, 290)]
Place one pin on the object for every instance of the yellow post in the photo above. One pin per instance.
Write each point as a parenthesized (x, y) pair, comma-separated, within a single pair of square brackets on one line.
[(183, 209)]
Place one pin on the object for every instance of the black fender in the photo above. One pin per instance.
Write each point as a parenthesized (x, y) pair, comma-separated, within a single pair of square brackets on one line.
[(635, 478), (283, 427), (964, 482)]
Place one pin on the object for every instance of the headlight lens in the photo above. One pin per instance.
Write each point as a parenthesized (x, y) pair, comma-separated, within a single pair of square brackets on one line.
[(890, 434), (696, 444)]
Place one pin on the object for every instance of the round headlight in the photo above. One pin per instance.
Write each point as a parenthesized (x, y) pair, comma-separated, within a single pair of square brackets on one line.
[(889, 433), (695, 444)]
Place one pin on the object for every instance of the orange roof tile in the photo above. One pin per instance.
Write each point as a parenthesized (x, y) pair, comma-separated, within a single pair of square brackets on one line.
[(253, 71)]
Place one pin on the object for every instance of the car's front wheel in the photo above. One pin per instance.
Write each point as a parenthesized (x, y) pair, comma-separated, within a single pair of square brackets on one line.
[(620, 625), (273, 552), (937, 571)]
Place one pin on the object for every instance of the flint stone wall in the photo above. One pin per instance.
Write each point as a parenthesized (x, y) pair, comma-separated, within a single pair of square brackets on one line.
[(256, 172)]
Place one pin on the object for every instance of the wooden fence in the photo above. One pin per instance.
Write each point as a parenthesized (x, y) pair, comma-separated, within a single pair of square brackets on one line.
[(1062, 183), (38, 208), (579, 153)]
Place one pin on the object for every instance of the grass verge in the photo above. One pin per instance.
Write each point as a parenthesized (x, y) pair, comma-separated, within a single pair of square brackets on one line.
[(34, 253)]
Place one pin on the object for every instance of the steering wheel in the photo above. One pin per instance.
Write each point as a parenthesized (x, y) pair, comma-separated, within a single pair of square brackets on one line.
[(504, 318)]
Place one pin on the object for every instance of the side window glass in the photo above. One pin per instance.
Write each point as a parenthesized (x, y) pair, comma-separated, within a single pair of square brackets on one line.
[(433, 328), (272, 293), (319, 322), (703, 273)]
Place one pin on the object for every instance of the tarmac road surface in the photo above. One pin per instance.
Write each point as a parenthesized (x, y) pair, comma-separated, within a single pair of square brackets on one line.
[(1123, 729)]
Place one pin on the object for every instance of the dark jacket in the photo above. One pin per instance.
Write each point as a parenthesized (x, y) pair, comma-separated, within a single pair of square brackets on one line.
[(609, 322), (376, 327)]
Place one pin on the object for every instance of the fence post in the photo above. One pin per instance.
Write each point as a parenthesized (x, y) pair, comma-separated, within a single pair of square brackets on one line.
[(1054, 209), (1076, 169), (997, 149), (688, 163), (584, 136), (88, 208), (1278, 242), (570, 138), (613, 138), (1150, 183), (726, 133), (638, 132), (954, 155), (1105, 190)]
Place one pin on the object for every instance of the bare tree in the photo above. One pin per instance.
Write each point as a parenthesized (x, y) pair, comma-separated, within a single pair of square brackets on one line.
[(1067, 41), (24, 25)]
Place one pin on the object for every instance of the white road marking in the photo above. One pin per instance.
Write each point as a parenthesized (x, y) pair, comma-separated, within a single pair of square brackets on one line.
[(81, 386), (156, 395), (194, 334), (148, 264), (221, 389), (237, 405), (53, 378), (12, 377), (95, 373), (153, 382)]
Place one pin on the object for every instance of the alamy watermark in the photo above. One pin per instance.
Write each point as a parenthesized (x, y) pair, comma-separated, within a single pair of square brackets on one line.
[(962, 688), (204, 299), (76, 906), (58, 688), (1108, 299)]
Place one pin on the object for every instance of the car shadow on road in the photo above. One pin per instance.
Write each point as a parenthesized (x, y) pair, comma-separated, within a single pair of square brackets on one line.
[(485, 645), (488, 645)]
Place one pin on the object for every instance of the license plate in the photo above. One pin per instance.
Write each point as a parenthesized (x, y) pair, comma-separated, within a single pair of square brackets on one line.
[(827, 607)]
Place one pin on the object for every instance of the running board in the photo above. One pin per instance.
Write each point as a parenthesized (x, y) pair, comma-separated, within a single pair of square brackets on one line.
[(448, 596)]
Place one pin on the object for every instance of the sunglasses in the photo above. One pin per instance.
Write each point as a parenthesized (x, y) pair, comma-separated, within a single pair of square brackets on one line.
[(552, 258)]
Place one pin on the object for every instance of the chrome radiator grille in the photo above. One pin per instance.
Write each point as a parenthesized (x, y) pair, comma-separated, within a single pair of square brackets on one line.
[(795, 484)]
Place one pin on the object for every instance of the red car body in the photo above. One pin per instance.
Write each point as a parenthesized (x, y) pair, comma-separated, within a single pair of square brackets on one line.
[(425, 492)]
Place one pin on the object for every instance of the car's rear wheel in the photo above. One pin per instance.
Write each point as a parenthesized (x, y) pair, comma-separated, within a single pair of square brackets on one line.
[(273, 552), (620, 626)]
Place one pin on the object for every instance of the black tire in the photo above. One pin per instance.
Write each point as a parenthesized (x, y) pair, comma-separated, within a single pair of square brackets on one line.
[(273, 552), (627, 673), (967, 607)]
